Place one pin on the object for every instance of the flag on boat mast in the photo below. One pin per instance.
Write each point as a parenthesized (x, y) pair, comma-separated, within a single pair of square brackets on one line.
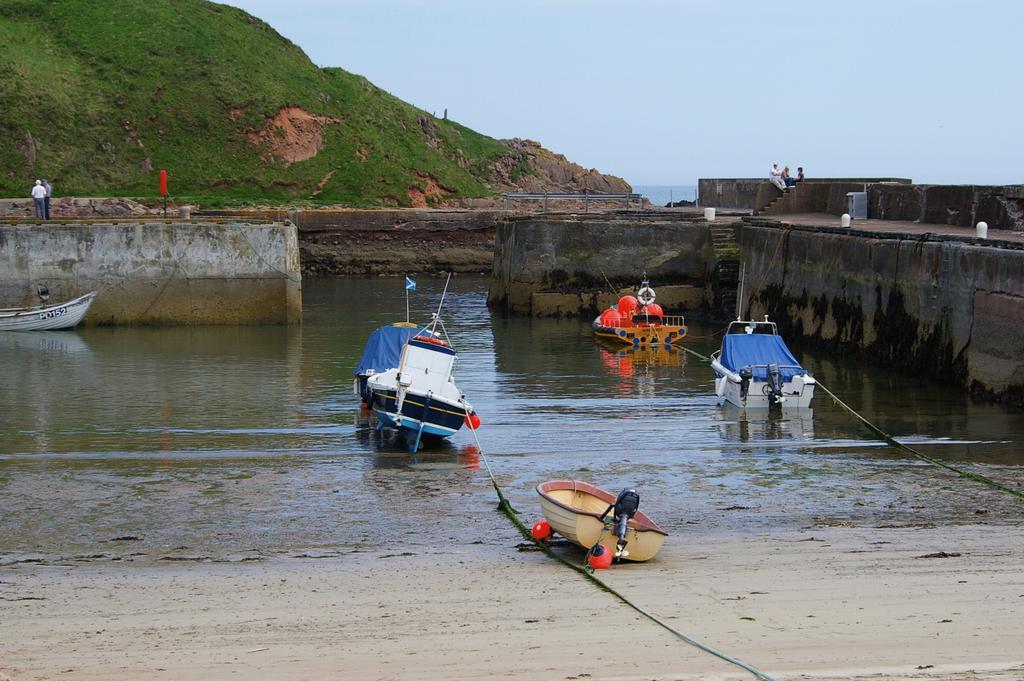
[(410, 285)]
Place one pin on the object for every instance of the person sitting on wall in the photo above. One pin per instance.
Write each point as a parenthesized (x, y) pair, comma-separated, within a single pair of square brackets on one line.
[(799, 175), (790, 182), (775, 177)]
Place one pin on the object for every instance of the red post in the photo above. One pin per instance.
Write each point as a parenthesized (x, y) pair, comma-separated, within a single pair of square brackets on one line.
[(163, 183)]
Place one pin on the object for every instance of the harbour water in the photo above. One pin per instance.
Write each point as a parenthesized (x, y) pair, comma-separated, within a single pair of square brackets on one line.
[(241, 443)]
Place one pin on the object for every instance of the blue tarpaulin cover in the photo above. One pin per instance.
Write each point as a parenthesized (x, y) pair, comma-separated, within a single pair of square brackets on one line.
[(384, 348), (743, 349)]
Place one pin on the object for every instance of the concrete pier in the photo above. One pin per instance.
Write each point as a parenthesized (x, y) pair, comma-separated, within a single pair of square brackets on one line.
[(570, 265), (938, 303), (157, 271)]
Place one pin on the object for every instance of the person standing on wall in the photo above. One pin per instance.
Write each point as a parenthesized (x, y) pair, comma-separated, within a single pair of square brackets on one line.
[(39, 196), (46, 202)]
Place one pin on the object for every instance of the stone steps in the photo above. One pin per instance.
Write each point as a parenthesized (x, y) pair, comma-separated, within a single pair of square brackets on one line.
[(727, 268)]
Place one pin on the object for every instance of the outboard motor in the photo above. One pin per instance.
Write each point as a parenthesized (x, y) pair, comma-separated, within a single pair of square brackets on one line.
[(625, 507), (773, 388), (745, 376)]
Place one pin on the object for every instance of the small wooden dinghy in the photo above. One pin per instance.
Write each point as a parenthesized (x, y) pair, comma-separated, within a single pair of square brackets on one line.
[(576, 510), (46, 317)]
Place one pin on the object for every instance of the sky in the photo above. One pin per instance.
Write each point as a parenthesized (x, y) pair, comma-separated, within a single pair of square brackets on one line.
[(663, 92)]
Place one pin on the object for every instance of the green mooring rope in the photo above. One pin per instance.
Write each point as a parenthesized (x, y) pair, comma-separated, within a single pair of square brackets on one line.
[(505, 507), (893, 442)]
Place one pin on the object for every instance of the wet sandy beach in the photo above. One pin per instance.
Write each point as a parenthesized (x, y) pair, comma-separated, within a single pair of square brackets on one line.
[(833, 603)]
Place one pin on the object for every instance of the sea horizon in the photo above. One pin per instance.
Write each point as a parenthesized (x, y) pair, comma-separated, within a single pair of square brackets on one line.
[(662, 194)]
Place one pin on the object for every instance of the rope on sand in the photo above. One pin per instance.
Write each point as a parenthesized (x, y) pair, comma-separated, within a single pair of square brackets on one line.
[(893, 442), (505, 507)]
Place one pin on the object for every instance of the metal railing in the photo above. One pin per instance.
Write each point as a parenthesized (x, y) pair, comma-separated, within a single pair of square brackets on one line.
[(627, 199)]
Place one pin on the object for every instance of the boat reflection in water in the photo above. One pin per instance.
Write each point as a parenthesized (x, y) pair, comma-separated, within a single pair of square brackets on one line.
[(636, 366), (739, 425)]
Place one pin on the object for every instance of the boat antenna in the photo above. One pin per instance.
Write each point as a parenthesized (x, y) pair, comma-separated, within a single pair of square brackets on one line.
[(739, 298), (437, 315)]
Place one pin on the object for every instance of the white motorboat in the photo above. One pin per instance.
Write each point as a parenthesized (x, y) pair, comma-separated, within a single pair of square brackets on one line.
[(46, 317), (419, 396), (755, 370)]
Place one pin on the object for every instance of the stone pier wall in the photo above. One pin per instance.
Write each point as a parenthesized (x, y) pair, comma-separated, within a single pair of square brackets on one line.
[(569, 265), (358, 242), (157, 272), (937, 306)]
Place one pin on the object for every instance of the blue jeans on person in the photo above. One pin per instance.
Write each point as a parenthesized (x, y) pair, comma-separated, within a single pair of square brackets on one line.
[(40, 209), (790, 182), (46, 208)]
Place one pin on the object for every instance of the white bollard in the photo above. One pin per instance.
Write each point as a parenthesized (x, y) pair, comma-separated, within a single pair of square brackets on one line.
[(982, 230), (709, 214), (845, 220)]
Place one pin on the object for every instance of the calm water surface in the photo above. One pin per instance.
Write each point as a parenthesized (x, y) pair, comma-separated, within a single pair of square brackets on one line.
[(246, 442)]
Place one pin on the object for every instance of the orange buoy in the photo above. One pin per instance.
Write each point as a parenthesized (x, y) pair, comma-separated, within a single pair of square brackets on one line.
[(653, 310), (610, 318), (541, 530), (600, 558), (628, 305), (472, 420)]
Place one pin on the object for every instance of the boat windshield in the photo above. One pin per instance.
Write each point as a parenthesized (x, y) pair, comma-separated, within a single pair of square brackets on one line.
[(749, 327)]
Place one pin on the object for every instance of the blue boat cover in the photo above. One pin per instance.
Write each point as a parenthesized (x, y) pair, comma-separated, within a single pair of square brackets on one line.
[(384, 348), (757, 350)]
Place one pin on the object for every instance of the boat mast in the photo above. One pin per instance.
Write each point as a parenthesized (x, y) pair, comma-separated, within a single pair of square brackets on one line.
[(739, 298), (437, 315)]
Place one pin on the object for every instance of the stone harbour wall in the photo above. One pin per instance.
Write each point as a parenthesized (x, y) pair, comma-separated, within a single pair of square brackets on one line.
[(952, 309), (156, 271), (570, 265), (1001, 207), (356, 242)]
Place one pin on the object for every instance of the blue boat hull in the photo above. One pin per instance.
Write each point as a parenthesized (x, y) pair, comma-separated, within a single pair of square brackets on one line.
[(439, 419)]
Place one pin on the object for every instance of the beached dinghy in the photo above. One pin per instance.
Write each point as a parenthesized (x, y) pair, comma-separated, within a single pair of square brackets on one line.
[(755, 369), (46, 317), (587, 515)]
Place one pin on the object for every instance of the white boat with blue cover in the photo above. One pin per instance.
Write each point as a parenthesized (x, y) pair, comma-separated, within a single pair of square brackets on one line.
[(755, 369), (419, 396)]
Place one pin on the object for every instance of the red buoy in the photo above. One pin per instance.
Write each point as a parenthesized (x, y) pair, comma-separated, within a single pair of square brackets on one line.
[(471, 420), (628, 305), (653, 310), (541, 530), (600, 558), (610, 318)]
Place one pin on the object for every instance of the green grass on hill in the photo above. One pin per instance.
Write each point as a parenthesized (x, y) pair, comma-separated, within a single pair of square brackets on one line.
[(93, 94)]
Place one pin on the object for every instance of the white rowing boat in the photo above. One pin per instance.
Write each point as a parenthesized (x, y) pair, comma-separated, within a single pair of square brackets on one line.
[(46, 317)]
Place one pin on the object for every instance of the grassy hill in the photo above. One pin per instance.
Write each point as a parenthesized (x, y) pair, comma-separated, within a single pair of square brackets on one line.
[(100, 95)]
